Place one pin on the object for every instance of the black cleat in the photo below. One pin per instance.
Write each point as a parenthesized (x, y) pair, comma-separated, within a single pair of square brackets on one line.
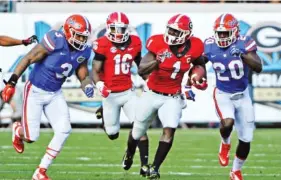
[(144, 171), (99, 113), (127, 161), (153, 173)]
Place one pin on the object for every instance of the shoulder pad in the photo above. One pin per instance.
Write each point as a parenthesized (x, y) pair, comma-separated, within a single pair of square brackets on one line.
[(208, 43), (100, 44), (153, 42), (53, 40)]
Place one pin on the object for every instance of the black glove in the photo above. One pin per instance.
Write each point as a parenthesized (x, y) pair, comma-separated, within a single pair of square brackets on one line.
[(30, 40)]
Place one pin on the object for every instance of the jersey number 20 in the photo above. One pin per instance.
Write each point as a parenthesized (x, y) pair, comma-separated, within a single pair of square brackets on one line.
[(236, 70), (121, 64)]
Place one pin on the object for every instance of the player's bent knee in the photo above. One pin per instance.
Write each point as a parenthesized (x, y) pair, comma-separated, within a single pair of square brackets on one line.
[(111, 130), (113, 137)]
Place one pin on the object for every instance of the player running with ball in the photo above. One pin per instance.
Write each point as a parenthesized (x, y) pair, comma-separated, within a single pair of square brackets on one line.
[(232, 55), (169, 57)]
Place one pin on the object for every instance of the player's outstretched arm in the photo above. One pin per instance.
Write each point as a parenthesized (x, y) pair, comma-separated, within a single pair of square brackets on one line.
[(147, 64), (253, 61), (9, 41), (82, 74), (34, 55)]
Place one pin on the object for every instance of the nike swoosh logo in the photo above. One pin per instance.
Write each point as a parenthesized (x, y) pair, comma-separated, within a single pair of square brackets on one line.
[(222, 160)]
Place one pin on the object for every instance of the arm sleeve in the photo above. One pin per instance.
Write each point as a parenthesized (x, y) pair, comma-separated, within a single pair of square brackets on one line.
[(250, 44), (99, 57), (138, 59), (53, 40)]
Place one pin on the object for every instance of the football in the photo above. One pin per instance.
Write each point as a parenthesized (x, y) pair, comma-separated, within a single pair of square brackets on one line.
[(197, 73)]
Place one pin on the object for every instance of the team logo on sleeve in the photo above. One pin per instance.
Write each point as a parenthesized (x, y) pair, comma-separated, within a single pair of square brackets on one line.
[(80, 59)]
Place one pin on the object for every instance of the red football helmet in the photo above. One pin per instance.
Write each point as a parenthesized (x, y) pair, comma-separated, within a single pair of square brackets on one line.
[(117, 27), (179, 29), (226, 30), (77, 29)]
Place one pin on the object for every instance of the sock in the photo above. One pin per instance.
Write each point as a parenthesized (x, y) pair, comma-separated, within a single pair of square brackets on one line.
[(162, 151), (237, 164), (143, 148), (225, 140), (131, 144), (48, 158), (53, 149)]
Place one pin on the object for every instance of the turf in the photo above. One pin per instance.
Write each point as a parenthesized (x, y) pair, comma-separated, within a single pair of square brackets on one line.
[(90, 155)]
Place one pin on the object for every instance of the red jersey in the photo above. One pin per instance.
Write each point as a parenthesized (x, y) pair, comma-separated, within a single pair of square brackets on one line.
[(168, 77), (117, 62)]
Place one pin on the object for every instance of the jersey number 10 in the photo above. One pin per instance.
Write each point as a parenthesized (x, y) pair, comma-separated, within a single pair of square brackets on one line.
[(121, 64)]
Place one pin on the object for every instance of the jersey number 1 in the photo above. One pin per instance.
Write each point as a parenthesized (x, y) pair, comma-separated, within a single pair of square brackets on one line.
[(121, 64), (176, 67)]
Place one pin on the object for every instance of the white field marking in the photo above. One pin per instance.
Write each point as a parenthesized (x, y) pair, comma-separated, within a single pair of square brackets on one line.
[(138, 165), (154, 131), (135, 173), (179, 160), (189, 154), (83, 158)]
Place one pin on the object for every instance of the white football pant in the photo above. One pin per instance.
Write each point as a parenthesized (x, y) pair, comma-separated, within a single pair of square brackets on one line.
[(35, 102), (239, 107), (169, 109), (112, 107)]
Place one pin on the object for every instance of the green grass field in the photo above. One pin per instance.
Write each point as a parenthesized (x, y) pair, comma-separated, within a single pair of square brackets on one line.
[(90, 155)]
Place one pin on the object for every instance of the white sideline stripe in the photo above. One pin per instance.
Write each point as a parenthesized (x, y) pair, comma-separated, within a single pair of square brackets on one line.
[(135, 173), (138, 165), (180, 160)]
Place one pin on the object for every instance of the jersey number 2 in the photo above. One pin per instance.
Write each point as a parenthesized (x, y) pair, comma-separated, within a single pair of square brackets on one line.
[(236, 70), (121, 64)]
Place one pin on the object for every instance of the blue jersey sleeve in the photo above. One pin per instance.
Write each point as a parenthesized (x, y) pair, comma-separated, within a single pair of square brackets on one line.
[(53, 40), (208, 47), (249, 44)]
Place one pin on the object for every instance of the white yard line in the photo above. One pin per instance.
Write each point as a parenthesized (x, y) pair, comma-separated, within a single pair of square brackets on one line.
[(135, 173), (135, 165)]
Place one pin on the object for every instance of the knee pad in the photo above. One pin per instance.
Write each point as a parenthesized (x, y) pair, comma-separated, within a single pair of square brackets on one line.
[(243, 149), (113, 137)]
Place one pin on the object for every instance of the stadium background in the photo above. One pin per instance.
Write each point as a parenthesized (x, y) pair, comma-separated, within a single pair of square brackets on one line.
[(259, 20)]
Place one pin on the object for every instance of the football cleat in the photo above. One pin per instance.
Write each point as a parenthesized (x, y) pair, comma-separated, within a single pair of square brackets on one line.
[(40, 174), (224, 154), (144, 171), (17, 141), (153, 173), (236, 175), (127, 161)]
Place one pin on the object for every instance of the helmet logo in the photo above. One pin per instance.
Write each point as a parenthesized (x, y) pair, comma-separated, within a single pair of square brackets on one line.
[(190, 25), (74, 24)]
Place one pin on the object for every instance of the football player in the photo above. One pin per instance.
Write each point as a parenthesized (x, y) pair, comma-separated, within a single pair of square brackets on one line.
[(57, 57), (170, 56), (232, 55), (115, 54), (9, 41)]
